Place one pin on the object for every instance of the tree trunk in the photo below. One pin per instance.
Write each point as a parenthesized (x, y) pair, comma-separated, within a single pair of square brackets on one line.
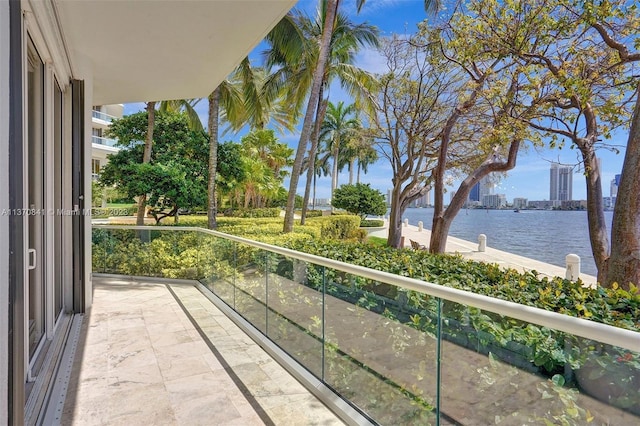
[(442, 224), (358, 174), (595, 212), (311, 169), (146, 157), (318, 74), (334, 169), (352, 164), (214, 111), (394, 239), (623, 267)]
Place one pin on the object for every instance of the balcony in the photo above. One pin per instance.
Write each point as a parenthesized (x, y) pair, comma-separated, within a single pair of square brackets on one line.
[(102, 116), (104, 141), (158, 352), (372, 346)]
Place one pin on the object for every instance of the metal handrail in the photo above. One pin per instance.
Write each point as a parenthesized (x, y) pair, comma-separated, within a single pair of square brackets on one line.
[(604, 333)]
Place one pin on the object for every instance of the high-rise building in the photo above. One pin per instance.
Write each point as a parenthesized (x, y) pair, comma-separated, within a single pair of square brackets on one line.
[(615, 184), (483, 187), (560, 183), (494, 201), (519, 203), (474, 195)]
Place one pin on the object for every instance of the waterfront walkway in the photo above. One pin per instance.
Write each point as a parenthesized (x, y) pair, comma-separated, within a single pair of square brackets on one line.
[(469, 250)]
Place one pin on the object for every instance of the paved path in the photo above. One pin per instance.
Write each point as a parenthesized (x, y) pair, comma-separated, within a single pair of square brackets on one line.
[(469, 250)]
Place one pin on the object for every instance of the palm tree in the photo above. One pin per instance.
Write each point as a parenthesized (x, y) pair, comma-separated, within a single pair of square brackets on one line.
[(186, 105), (339, 126), (297, 73), (366, 157), (225, 95), (320, 168), (330, 8), (357, 149), (248, 96)]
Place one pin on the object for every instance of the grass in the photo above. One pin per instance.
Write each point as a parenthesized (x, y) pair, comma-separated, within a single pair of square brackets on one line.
[(120, 205), (377, 241)]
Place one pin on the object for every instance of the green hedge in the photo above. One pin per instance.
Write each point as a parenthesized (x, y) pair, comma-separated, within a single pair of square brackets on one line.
[(253, 212), (338, 227), (615, 307), (371, 223), (310, 213)]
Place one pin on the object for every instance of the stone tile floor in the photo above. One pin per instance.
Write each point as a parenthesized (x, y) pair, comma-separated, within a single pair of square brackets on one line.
[(142, 360)]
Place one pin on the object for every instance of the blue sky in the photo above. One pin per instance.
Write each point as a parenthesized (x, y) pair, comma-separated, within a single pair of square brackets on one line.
[(529, 179)]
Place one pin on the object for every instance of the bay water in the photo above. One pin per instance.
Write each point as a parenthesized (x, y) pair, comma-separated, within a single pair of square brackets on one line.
[(544, 235)]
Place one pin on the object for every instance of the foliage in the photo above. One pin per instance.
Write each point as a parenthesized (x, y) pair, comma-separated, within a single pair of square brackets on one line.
[(310, 213), (338, 227), (371, 223), (176, 176), (96, 194), (360, 199), (263, 160), (255, 212), (581, 63), (230, 171), (616, 307)]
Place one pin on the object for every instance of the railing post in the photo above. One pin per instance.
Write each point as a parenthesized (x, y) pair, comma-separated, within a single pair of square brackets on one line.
[(482, 242), (406, 222), (420, 226), (573, 267)]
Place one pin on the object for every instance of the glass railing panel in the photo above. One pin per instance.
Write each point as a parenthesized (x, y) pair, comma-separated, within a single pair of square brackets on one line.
[(148, 252), (294, 309), (251, 285), (103, 141), (102, 116), (120, 251), (499, 370), (174, 254), (380, 350), (219, 267)]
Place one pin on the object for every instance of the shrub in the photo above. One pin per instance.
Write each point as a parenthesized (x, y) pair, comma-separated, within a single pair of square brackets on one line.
[(359, 199), (337, 227), (310, 213), (253, 212), (371, 223)]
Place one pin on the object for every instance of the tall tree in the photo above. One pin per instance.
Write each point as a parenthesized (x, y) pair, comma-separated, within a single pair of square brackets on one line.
[(331, 10), (339, 126), (408, 113), (146, 157), (346, 41), (323, 55), (624, 263), (581, 56), (247, 97), (173, 176)]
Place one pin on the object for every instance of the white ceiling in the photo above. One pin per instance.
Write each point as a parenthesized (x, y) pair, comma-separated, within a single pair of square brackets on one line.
[(144, 50)]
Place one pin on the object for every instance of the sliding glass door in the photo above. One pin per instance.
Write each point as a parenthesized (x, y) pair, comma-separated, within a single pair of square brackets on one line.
[(35, 288)]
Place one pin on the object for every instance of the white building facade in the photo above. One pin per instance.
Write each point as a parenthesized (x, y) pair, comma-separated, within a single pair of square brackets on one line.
[(560, 182)]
